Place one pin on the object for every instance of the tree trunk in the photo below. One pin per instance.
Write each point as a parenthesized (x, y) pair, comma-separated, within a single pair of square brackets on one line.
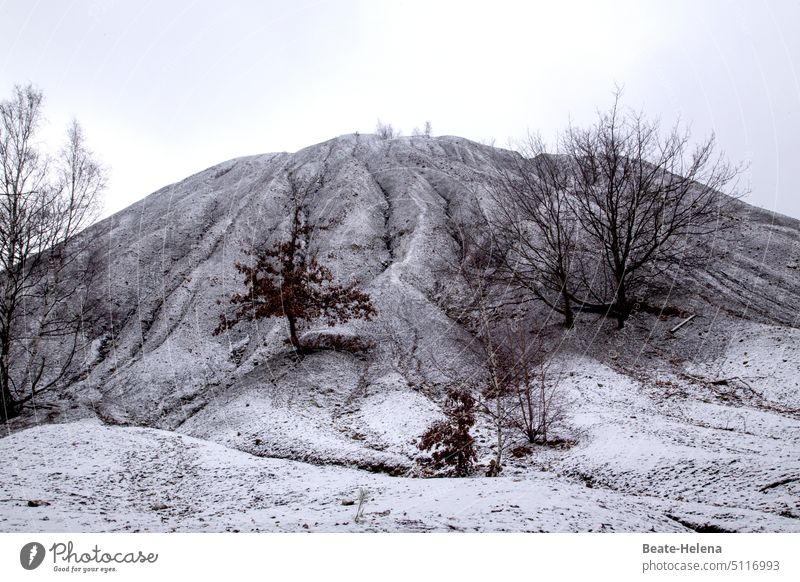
[(499, 421), (569, 318), (531, 434), (293, 339), (8, 406), (622, 308)]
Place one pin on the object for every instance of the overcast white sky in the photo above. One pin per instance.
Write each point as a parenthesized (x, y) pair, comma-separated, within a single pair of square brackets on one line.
[(165, 89)]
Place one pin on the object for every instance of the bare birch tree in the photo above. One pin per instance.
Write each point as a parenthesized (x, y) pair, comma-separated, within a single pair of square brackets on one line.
[(44, 276)]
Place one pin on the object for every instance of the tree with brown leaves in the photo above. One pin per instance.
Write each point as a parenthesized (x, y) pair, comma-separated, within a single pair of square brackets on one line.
[(287, 280), (450, 439)]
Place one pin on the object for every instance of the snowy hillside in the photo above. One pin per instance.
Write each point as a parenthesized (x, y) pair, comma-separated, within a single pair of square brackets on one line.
[(172, 427)]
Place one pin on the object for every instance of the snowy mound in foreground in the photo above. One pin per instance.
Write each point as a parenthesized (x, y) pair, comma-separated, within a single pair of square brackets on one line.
[(129, 479)]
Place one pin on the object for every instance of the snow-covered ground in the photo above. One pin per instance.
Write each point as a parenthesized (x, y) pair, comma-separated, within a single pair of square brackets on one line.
[(98, 478)]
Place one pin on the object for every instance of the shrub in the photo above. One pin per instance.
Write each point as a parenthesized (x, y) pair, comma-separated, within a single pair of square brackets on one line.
[(452, 445)]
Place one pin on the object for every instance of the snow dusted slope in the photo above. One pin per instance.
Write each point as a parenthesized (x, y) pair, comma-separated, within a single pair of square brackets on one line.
[(170, 262), (655, 444)]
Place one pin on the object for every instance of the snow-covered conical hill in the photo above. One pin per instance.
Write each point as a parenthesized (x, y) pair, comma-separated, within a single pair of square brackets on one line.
[(640, 423)]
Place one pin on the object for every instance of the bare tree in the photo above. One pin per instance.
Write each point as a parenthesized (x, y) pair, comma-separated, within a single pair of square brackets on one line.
[(426, 131), (483, 307), (646, 200), (533, 215), (518, 388), (594, 225), (44, 275), (385, 130), (533, 383), (287, 280)]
